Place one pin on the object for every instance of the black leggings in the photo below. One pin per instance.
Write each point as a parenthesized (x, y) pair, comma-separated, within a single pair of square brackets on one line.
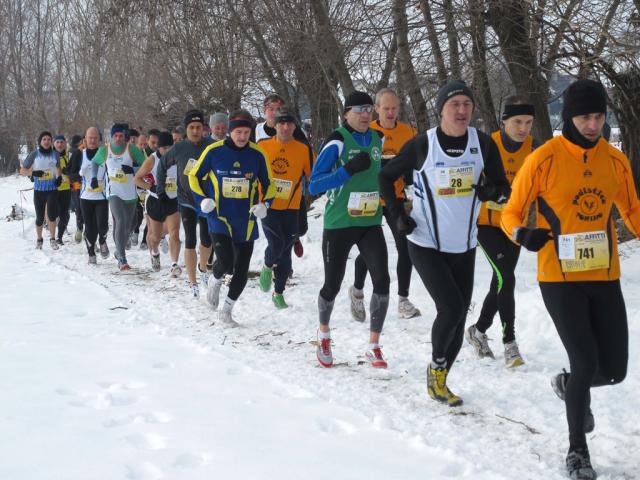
[(503, 255), (42, 200), (448, 278), (75, 198), (138, 216), (591, 320), (190, 222), (403, 267), (96, 216), (63, 200), (232, 255)]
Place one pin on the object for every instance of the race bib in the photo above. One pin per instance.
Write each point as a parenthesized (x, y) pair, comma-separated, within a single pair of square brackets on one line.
[(189, 166), (454, 181), (235, 187), (48, 175), (579, 252), (100, 188), (495, 206), (170, 185), (363, 204), (119, 177), (283, 188), (142, 195)]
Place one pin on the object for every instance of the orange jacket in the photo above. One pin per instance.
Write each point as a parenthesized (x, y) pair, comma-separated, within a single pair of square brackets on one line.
[(289, 162), (394, 140), (512, 162), (574, 190)]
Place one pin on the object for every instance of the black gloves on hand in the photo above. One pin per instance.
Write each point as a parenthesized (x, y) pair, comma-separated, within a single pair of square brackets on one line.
[(94, 183), (358, 163), (75, 177), (533, 239), (58, 181), (489, 192), (405, 224), (127, 169), (37, 173)]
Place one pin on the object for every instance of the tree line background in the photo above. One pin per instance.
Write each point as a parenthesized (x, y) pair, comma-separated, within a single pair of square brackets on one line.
[(69, 64)]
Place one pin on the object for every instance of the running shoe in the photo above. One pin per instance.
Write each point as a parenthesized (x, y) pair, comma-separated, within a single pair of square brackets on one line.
[(266, 276), (225, 317), (175, 270), (278, 301), (406, 309), (579, 465), (204, 276), (512, 357), (298, 249), (479, 341), (323, 352), (39, 243), (437, 387), (213, 292), (93, 260), (155, 262), (375, 358), (195, 291), (54, 244), (358, 312), (78, 236), (104, 250), (124, 266), (559, 385), (60, 242), (133, 239)]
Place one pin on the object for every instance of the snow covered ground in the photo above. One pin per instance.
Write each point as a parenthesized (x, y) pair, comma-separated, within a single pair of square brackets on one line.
[(110, 376)]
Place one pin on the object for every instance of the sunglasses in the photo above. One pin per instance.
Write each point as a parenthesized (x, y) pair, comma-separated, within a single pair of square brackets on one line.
[(362, 108)]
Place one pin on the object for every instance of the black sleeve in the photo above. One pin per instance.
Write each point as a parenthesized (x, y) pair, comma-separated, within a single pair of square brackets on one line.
[(75, 162), (411, 157), (299, 135), (493, 168)]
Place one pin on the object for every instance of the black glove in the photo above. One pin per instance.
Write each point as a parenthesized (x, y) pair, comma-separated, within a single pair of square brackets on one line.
[(405, 224), (490, 192), (75, 177), (94, 183), (58, 181), (127, 169), (32, 179), (358, 163), (37, 173), (533, 239)]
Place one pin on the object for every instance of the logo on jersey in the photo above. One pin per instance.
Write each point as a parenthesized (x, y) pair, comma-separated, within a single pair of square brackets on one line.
[(588, 200), (376, 154), (236, 164), (587, 173), (280, 165), (473, 150)]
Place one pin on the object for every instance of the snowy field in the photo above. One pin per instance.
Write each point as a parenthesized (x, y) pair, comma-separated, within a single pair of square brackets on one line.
[(110, 376)]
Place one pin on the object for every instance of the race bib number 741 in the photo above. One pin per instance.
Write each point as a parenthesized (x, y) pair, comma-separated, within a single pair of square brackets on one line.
[(580, 252)]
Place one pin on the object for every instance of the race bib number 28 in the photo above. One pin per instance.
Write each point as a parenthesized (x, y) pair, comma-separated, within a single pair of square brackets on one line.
[(454, 181)]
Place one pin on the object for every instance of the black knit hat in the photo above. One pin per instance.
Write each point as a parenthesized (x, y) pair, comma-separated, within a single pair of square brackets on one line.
[(451, 89), (75, 141), (193, 116), (285, 115), (165, 139), (43, 134), (357, 98), (583, 97)]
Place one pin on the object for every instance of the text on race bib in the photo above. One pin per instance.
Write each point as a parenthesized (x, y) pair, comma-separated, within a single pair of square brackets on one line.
[(579, 252), (283, 188), (99, 189), (171, 185), (454, 181), (189, 166), (48, 175), (363, 204), (118, 177), (235, 187)]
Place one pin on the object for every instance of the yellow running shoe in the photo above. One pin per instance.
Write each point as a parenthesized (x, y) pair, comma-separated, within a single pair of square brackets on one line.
[(437, 387)]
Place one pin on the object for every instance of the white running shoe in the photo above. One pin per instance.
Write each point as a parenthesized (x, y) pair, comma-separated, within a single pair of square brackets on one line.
[(512, 357), (93, 260), (175, 270), (133, 239), (358, 312), (104, 250), (479, 341), (195, 291), (225, 317), (54, 244), (204, 276), (213, 292), (375, 358), (323, 351), (155, 262), (406, 309), (78, 236), (164, 245)]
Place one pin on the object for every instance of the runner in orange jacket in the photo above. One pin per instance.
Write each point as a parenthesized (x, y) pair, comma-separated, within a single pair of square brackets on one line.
[(575, 179)]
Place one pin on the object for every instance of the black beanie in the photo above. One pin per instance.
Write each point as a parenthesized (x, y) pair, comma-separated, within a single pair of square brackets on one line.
[(357, 98), (451, 89), (583, 97), (43, 134), (75, 141), (193, 116), (165, 139)]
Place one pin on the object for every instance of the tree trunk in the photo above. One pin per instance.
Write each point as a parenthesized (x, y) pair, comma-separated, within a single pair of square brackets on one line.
[(432, 35), (407, 72), (452, 39)]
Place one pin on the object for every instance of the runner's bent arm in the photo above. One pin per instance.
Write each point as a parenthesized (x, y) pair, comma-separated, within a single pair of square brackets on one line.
[(146, 167), (627, 198), (323, 176)]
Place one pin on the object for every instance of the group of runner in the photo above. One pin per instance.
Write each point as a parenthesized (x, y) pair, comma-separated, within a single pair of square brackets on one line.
[(468, 189)]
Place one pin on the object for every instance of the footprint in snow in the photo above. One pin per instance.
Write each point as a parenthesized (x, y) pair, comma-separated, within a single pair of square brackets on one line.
[(103, 401), (154, 417), (192, 460), (335, 426), (147, 441), (144, 471)]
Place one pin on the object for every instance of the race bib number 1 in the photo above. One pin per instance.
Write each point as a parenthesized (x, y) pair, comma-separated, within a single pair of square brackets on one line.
[(283, 188), (235, 187), (363, 204), (580, 252), (454, 181)]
